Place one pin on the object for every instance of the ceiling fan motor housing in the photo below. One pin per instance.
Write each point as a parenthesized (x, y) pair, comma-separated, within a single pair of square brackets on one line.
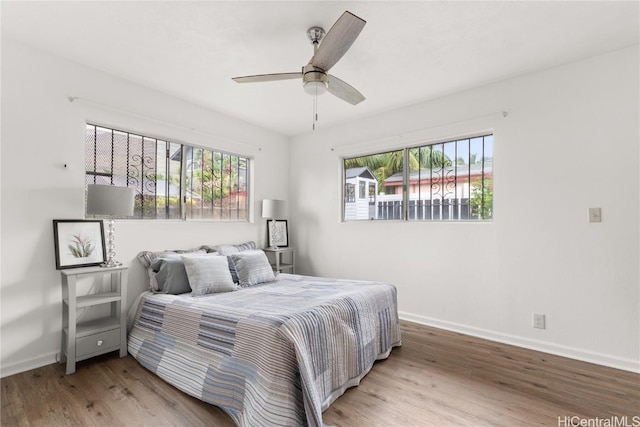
[(314, 80)]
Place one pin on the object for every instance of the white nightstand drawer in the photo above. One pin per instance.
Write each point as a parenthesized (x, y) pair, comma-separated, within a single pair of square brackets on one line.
[(98, 343)]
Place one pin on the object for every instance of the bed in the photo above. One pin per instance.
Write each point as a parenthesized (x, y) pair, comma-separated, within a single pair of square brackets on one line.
[(273, 353)]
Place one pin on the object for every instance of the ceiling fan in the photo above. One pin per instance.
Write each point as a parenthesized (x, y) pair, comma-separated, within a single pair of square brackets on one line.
[(315, 77)]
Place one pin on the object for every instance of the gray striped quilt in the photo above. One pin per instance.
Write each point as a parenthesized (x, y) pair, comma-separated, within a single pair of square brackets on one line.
[(276, 354)]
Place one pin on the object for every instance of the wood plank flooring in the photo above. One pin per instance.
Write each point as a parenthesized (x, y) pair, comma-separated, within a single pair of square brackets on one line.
[(437, 378)]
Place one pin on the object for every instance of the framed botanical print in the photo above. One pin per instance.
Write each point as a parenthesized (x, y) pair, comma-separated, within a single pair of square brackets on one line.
[(78, 243)]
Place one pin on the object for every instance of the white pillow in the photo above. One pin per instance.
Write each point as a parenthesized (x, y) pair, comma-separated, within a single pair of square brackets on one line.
[(208, 274), (253, 267)]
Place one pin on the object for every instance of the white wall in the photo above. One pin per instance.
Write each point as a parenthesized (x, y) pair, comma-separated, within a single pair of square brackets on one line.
[(42, 131), (571, 135), (570, 142)]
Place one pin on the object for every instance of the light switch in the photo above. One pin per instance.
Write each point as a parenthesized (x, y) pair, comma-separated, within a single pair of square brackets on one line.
[(595, 215)]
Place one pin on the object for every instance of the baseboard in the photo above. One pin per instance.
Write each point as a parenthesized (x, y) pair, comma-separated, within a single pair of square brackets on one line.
[(546, 347), (27, 365)]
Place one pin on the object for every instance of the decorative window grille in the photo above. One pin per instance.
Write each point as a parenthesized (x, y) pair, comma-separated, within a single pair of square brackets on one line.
[(446, 181), (216, 185), (171, 180)]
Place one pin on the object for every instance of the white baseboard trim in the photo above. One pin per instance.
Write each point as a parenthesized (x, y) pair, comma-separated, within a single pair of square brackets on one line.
[(546, 347), (27, 365)]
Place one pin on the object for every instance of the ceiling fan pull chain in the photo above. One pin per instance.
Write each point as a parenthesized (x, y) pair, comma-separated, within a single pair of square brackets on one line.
[(315, 109), (313, 115)]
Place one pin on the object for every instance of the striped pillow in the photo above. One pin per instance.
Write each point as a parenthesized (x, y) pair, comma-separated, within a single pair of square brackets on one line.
[(252, 267), (233, 249), (147, 257), (208, 274)]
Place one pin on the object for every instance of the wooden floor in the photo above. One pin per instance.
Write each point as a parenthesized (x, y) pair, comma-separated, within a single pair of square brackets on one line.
[(437, 378)]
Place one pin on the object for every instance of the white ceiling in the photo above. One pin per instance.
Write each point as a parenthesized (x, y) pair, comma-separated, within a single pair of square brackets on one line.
[(408, 52)]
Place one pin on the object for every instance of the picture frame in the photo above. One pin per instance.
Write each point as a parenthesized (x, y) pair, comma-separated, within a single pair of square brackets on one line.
[(280, 233), (79, 243)]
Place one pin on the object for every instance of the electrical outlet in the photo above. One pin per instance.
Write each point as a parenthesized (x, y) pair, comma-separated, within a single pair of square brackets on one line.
[(538, 321), (595, 215)]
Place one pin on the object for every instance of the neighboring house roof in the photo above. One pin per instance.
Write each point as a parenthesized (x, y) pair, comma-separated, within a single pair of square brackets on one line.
[(363, 172), (425, 175)]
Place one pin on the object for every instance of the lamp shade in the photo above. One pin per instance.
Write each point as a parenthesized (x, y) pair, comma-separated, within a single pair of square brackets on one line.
[(273, 209), (109, 200)]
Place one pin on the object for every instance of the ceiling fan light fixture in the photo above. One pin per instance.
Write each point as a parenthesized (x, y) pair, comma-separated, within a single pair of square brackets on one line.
[(314, 80), (315, 87)]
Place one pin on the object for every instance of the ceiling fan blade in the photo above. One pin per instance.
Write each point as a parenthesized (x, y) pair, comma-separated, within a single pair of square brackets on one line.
[(338, 40), (344, 90), (268, 77)]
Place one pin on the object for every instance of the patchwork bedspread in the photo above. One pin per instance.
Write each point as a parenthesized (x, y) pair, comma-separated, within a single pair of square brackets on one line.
[(276, 354)]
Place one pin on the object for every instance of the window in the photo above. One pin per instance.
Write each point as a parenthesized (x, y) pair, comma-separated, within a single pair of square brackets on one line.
[(350, 193), (215, 185), (447, 181), (171, 180)]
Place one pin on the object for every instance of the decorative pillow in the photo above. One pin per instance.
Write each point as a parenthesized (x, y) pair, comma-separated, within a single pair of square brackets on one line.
[(234, 249), (253, 267), (232, 269), (208, 274), (232, 264), (147, 257), (209, 249), (170, 274)]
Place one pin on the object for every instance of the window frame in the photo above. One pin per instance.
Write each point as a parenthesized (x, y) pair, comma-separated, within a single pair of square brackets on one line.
[(487, 173), (243, 187)]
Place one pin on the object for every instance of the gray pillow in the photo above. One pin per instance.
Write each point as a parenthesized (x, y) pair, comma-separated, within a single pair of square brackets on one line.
[(208, 274), (148, 257), (253, 268), (171, 276)]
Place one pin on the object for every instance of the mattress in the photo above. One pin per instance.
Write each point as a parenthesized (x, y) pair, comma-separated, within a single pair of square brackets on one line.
[(274, 354)]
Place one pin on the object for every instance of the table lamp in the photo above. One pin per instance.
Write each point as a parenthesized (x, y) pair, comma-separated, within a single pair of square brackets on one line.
[(112, 202)]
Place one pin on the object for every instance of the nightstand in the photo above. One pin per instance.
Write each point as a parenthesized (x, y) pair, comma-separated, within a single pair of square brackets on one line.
[(282, 259), (83, 340)]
